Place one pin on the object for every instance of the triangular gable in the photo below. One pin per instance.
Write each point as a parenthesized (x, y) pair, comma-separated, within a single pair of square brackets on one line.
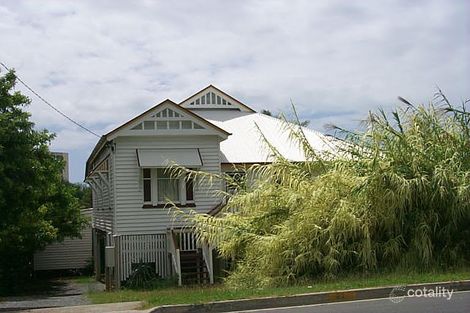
[(167, 118), (212, 98)]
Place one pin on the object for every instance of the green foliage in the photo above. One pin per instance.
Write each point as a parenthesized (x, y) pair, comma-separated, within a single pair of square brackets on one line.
[(396, 195), (36, 206), (142, 277), (83, 193)]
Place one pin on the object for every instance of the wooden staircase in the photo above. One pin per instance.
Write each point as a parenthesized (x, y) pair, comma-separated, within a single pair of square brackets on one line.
[(192, 261), (193, 268)]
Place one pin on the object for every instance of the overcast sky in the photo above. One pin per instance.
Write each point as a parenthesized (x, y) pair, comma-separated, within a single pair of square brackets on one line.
[(103, 62)]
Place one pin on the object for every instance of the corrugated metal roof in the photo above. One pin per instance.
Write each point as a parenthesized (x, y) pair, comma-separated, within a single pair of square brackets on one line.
[(246, 144)]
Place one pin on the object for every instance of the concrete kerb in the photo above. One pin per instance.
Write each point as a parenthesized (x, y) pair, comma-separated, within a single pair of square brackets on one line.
[(302, 299)]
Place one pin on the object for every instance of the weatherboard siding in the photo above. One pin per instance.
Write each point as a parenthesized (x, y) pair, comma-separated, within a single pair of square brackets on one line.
[(72, 253), (131, 218)]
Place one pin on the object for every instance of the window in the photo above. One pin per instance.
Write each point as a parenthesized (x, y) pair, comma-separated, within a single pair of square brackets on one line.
[(186, 124), (167, 124), (162, 125), (174, 124), (149, 125), (159, 187), (147, 174), (189, 189), (167, 186)]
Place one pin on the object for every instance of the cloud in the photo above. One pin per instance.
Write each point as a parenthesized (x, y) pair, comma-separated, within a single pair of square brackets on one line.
[(103, 62)]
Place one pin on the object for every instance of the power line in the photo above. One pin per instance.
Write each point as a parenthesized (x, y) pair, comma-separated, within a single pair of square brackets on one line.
[(50, 105)]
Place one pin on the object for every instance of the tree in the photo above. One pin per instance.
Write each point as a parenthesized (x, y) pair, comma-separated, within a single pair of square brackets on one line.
[(266, 112), (394, 195), (36, 206), (83, 193)]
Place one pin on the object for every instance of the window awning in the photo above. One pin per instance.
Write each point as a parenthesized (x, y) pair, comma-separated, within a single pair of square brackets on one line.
[(165, 157)]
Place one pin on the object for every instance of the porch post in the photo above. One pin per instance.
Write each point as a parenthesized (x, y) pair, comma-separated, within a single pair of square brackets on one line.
[(96, 254), (178, 267)]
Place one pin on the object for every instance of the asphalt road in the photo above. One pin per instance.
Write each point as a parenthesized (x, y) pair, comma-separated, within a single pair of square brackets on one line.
[(459, 303)]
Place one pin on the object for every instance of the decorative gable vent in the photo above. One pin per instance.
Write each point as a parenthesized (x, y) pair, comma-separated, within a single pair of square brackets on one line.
[(167, 119), (160, 125), (102, 167), (210, 99), (167, 113)]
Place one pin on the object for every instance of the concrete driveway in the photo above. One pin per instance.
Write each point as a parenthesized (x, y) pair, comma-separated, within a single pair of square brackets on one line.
[(54, 293)]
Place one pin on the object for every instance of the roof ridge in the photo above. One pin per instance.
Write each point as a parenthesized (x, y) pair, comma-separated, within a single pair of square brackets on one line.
[(303, 127)]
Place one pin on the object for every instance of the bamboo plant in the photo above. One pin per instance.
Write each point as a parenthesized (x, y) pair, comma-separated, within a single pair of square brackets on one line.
[(396, 194)]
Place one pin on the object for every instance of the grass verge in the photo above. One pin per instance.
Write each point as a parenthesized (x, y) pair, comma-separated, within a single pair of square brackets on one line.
[(198, 294)]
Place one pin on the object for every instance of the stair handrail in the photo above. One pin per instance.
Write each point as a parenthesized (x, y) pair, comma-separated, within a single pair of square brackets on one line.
[(207, 256), (174, 251)]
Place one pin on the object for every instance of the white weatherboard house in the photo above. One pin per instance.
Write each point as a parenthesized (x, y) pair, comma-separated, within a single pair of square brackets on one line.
[(210, 131)]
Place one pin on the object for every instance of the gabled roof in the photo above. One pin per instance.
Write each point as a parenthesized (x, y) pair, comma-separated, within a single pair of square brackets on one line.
[(212, 98), (171, 103), (113, 133)]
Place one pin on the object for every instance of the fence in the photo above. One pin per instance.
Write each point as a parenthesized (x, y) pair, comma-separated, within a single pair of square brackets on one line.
[(149, 248)]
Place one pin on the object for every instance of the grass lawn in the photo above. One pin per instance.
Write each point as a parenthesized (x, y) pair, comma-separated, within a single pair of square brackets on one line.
[(198, 294)]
